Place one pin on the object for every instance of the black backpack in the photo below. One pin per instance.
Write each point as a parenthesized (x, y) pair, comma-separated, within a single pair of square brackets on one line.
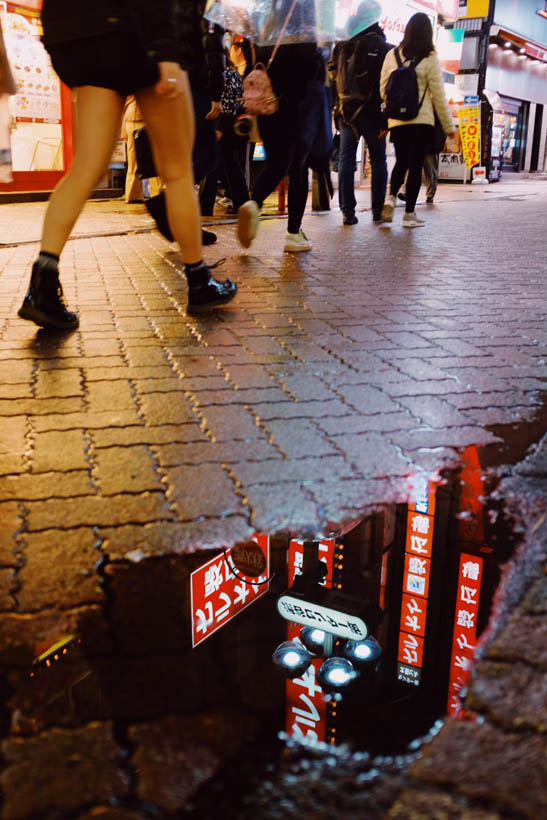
[(354, 79), (402, 101)]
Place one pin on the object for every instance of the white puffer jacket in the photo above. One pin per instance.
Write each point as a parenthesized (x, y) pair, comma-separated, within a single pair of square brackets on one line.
[(428, 72)]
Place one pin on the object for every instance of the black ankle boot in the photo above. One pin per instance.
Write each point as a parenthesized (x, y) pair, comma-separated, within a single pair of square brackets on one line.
[(205, 292), (44, 303)]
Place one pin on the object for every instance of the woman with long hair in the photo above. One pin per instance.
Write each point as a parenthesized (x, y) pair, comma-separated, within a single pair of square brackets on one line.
[(412, 138), (106, 50)]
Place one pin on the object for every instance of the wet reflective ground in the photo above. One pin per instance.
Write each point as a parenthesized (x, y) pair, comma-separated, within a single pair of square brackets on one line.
[(171, 706)]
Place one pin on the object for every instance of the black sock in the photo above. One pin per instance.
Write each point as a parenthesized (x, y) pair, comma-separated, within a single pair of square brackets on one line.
[(196, 273)]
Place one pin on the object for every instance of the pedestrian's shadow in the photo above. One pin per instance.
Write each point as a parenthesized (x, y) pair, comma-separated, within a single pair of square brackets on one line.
[(51, 340)]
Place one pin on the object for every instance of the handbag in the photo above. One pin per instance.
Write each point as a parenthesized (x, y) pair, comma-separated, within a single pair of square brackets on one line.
[(258, 95), (146, 168)]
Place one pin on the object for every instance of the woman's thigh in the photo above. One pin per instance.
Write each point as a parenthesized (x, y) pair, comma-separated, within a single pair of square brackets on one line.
[(170, 123)]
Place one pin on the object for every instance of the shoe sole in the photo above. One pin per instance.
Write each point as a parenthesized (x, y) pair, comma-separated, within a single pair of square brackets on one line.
[(210, 305), (296, 250), (387, 213), (43, 320), (247, 225), (414, 225)]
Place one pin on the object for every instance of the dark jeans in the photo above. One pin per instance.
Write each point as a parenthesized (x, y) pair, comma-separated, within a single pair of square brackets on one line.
[(368, 128), (205, 155), (230, 146), (280, 135), (411, 143)]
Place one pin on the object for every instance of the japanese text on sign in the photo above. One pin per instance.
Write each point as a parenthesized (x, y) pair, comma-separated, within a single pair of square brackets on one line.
[(469, 118), (465, 629), (218, 594), (322, 617)]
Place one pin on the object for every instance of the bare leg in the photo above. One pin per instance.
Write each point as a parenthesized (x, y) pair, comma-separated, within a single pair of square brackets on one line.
[(98, 112), (170, 123)]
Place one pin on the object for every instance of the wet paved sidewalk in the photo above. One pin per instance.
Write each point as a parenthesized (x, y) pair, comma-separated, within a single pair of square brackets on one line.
[(333, 380)]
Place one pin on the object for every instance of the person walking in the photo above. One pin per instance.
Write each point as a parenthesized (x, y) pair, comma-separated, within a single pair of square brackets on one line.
[(131, 120), (139, 54), (412, 138), (358, 62), (292, 69)]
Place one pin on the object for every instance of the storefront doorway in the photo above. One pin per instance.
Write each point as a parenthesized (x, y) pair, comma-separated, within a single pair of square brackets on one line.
[(514, 134)]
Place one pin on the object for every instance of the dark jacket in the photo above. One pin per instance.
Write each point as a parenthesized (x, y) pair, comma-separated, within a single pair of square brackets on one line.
[(370, 48), (293, 67), (201, 49)]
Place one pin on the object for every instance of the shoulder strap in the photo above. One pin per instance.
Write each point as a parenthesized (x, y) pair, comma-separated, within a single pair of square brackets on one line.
[(281, 33), (398, 58)]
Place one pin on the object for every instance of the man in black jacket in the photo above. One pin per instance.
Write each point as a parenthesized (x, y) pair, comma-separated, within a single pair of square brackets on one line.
[(358, 63)]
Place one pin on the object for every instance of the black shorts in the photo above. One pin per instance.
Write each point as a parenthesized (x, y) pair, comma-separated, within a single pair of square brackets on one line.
[(117, 61)]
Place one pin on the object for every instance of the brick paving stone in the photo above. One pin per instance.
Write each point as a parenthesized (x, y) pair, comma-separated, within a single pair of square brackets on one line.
[(50, 773), (303, 469), (139, 541), (469, 758), (109, 395), (37, 407), (11, 518), (433, 411), (302, 409), (159, 409), (13, 444), (367, 400), (279, 508), (59, 450), (300, 437), (230, 452), (161, 434), (58, 560), (230, 424), (125, 470), (423, 437), (93, 510), (80, 421), (59, 383), (8, 584), (46, 485), (201, 490)]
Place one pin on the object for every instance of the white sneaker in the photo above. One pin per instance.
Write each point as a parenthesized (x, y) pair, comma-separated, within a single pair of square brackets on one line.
[(412, 221), (389, 207), (297, 242), (247, 222)]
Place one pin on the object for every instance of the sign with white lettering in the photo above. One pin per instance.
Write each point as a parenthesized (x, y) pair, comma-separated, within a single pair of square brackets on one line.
[(217, 594), (322, 617)]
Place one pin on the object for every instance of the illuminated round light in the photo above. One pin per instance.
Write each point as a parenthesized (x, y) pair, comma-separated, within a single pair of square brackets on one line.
[(366, 651), (313, 639), (507, 44), (292, 658), (336, 673), (522, 50)]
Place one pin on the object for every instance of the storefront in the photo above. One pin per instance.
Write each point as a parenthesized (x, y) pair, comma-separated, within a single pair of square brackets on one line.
[(41, 110)]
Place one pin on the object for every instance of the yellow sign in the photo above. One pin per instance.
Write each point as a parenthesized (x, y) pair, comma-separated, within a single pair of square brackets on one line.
[(475, 8), (469, 118)]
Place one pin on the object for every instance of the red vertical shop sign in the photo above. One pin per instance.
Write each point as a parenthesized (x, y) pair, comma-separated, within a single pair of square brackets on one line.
[(306, 715), (417, 572), (465, 629), (219, 592)]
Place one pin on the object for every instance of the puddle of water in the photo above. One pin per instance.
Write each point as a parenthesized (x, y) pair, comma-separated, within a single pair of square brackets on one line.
[(423, 573)]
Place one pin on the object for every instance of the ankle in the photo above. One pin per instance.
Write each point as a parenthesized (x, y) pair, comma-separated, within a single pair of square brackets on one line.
[(196, 273)]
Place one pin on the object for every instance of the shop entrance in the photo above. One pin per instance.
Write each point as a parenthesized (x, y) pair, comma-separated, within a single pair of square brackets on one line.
[(514, 134)]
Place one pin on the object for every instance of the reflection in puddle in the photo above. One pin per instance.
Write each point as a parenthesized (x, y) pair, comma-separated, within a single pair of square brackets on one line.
[(184, 672)]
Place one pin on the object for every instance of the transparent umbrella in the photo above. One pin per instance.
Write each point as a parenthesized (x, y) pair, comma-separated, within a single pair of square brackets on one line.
[(262, 21)]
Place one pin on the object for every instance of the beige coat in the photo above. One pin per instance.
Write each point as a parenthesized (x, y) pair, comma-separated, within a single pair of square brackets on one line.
[(428, 72)]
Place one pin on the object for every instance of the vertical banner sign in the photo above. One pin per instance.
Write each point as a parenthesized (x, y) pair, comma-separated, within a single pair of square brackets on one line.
[(417, 571), (465, 630), (219, 592), (469, 118), (306, 716)]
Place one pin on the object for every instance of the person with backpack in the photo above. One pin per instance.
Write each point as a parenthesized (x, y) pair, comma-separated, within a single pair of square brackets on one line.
[(291, 70), (411, 86), (357, 63)]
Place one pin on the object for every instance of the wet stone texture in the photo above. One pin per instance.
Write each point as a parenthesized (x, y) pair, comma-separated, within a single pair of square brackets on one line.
[(148, 435)]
